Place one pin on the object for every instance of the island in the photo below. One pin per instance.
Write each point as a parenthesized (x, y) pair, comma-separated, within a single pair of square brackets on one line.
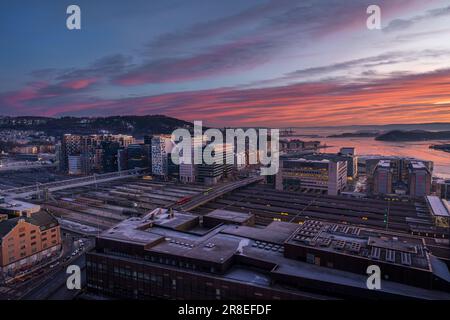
[(441, 147), (355, 135), (416, 135)]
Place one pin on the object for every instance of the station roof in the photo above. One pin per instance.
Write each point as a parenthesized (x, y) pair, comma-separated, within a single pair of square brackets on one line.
[(232, 216), (438, 208)]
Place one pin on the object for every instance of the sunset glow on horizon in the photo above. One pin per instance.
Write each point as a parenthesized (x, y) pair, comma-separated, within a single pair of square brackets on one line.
[(253, 63)]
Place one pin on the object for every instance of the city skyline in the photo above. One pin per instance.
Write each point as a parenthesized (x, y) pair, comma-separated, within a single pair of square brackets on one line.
[(258, 63)]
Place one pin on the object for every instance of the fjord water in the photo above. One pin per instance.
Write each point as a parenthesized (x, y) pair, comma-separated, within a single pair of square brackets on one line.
[(417, 149), (370, 146)]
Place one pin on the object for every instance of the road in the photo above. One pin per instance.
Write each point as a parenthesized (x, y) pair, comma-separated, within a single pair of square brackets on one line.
[(49, 282), (53, 287)]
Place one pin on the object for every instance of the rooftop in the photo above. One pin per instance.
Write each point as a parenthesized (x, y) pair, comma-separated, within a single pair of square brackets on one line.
[(232, 216), (418, 165), (438, 206), (363, 243), (41, 219), (11, 205), (223, 244), (384, 163)]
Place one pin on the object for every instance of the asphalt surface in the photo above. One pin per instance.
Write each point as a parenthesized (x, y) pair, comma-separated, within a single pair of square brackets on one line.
[(54, 286)]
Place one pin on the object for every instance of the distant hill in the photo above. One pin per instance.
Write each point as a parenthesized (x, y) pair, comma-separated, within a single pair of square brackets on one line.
[(137, 126), (416, 135)]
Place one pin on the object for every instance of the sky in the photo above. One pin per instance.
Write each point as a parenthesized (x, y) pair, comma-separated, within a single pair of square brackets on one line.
[(275, 63)]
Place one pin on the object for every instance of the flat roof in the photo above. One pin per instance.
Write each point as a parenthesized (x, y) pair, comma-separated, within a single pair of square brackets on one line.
[(128, 231), (16, 205), (221, 244), (418, 165), (362, 243), (385, 163), (217, 249), (306, 160), (276, 232), (227, 215), (438, 208)]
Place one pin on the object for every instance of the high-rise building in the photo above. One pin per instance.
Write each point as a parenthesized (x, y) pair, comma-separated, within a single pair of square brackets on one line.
[(75, 166), (382, 178), (352, 161), (136, 156), (419, 179), (97, 153), (162, 146), (442, 188), (400, 176), (211, 173), (188, 169), (109, 155)]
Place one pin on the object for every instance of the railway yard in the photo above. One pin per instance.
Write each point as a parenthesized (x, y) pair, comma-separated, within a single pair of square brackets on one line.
[(268, 205), (104, 205), (86, 211), (22, 178)]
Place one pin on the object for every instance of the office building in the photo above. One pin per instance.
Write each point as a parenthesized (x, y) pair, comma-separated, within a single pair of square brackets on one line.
[(188, 172), (382, 178), (75, 165), (315, 174), (210, 174), (134, 156), (97, 153), (349, 154), (173, 255), (442, 188), (399, 176), (419, 179)]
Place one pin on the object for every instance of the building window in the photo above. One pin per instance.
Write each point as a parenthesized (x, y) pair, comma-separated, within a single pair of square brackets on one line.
[(310, 258)]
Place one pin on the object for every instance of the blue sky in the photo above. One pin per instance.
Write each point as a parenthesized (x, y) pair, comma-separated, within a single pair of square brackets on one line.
[(228, 62)]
